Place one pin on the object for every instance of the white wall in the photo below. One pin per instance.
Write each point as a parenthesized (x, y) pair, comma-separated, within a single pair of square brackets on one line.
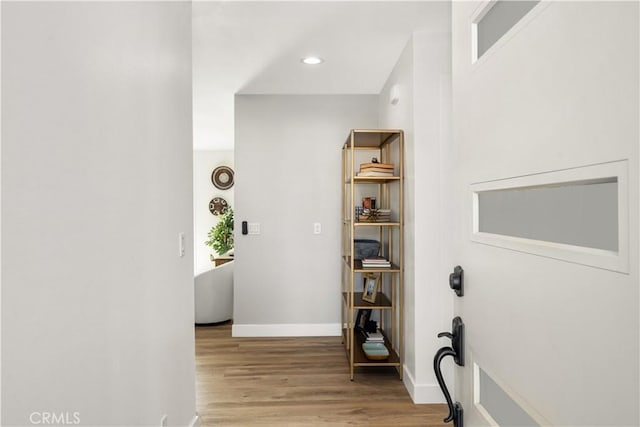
[(97, 307), (204, 162), (422, 74), (0, 219), (288, 176)]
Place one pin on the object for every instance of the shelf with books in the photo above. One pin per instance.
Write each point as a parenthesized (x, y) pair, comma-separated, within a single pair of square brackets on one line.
[(372, 200), (358, 268), (360, 359)]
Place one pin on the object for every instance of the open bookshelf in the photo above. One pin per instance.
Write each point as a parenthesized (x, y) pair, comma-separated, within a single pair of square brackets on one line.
[(358, 153)]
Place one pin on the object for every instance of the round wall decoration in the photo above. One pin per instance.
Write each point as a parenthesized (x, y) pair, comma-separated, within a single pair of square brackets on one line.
[(222, 177), (217, 206)]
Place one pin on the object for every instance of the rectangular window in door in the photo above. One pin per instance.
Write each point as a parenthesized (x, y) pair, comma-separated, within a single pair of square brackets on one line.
[(578, 215)]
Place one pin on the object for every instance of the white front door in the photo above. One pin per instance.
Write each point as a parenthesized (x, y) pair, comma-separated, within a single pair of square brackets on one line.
[(545, 134)]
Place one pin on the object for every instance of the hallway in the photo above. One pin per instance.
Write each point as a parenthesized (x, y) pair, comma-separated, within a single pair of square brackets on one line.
[(296, 381)]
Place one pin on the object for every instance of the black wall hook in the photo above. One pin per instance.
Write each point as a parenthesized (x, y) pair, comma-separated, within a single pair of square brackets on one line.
[(456, 413), (456, 280)]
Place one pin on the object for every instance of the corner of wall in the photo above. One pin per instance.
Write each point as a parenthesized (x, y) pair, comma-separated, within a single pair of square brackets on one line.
[(0, 224), (423, 112)]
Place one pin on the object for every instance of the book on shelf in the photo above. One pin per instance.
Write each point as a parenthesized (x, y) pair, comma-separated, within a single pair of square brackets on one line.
[(376, 262), (381, 170), (376, 170), (374, 174), (376, 165), (375, 215), (379, 211), (368, 218), (374, 337)]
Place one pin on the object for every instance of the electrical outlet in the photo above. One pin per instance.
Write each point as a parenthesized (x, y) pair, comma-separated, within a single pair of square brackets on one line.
[(163, 421), (317, 228)]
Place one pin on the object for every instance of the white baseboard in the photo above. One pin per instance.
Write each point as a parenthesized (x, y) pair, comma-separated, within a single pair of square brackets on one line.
[(422, 393), (195, 422), (287, 330)]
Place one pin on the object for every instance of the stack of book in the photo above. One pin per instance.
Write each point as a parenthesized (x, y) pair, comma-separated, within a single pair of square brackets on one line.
[(374, 337), (376, 262), (376, 169), (375, 215)]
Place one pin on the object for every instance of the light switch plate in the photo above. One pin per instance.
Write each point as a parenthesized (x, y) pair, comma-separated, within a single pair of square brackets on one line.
[(180, 245), (254, 228)]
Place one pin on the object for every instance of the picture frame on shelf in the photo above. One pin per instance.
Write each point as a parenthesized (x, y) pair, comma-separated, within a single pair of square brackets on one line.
[(370, 287), (362, 318)]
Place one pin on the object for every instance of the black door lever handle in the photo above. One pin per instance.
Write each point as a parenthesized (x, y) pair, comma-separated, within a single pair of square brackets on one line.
[(456, 413)]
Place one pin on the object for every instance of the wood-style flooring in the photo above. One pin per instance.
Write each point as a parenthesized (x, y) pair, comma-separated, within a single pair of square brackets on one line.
[(296, 382)]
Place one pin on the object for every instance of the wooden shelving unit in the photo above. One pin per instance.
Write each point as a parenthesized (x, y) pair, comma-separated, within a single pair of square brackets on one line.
[(387, 146)]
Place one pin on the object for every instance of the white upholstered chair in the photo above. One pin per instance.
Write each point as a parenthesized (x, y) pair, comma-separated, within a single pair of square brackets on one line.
[(213, 294)]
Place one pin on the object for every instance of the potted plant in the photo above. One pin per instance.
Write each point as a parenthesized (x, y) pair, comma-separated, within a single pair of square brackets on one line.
[(221, 235)]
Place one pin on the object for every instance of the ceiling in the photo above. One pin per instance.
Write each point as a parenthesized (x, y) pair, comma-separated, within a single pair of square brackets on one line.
[(255, 48)]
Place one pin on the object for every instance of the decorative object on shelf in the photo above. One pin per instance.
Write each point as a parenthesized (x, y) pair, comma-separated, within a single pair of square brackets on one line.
[(370, 289), (221, 235), (375, 351), (222, 177), (218, 206), (369, 203), (358, 212), (362, 318), (365, 248), (375, 215)]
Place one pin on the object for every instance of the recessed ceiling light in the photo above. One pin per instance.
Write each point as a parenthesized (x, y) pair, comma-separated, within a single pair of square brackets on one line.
[(312, 60)]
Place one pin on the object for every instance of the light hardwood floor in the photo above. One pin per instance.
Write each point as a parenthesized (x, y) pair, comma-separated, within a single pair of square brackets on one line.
[(296, 382)]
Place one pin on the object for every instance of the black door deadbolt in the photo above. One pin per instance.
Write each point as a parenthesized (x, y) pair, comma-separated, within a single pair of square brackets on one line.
[(456, 280)]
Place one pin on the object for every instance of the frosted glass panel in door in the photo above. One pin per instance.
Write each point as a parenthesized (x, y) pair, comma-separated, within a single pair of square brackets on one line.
[(583, 213), (498, 20)]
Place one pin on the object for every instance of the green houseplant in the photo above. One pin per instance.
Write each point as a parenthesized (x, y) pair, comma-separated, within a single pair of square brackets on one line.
[(221, 235)]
